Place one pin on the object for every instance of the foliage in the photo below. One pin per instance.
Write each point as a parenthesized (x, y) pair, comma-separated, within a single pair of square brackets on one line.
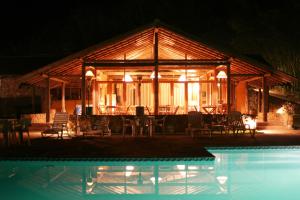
[(289, 108)]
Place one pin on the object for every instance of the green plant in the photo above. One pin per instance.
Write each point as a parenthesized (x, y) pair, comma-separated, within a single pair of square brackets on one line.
[(289, 108)]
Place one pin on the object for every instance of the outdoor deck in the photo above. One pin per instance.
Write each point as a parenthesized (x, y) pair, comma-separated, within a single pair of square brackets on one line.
[(157, 147)]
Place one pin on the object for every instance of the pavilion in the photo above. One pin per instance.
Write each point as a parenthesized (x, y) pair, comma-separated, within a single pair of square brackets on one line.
[(160, 68)]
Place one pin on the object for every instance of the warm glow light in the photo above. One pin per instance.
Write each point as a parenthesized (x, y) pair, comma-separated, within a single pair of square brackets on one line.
[(222, 179), (250, 122), (152, 179), (221, 74), (129, 170), (180, 167), (281, 110), (182, 173), (89, 74), (100, 168), (89, 181), (152, 76), (193, 167), (182, 78), (127, 78), (128, 173)]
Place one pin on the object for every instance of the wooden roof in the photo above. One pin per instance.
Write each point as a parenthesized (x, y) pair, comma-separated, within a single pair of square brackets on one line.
[(137, 45)]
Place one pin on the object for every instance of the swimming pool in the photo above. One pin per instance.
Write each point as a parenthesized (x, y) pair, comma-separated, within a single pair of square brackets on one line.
[(267, 173)]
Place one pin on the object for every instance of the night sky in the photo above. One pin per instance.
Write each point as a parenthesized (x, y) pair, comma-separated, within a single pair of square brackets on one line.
[(35, 33)]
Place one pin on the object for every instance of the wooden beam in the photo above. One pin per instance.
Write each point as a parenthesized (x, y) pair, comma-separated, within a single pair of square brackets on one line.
[(247, 75), (205, 62), (54, 78), (252, 79), (144, 62)]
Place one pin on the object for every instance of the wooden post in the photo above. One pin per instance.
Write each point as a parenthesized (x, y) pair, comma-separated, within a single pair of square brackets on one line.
[(265, 98), (156, 90), (63, 97), (93, 88), (33, 99), (172, 93), (48, 103), (228, 88), (97, 95), (259, 100), (83, 89), (124, 94), (186, 96)]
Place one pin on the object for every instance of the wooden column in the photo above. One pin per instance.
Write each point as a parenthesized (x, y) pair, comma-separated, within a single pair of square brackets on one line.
[(172, 93), (96, 97), (48, 103), (63, 97), (186, 96), (93, 96), (259, 96), (33, 99), (265, 98), (83, 96), (156, 91), (124, 94), (228, 88)]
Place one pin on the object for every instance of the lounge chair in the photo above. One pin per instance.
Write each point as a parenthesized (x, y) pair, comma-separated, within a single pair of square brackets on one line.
[(99, 127), (196, 124), (160, 122), (236, 125), (59, 125)]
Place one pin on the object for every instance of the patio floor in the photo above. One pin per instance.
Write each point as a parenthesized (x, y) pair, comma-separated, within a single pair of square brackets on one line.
[(171, 146)]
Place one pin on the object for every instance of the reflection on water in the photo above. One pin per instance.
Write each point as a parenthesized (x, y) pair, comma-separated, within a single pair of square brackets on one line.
[(235, 174)]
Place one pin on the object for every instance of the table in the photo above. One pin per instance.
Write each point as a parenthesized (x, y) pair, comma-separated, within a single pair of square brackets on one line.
[(141, 122), (209, 109)]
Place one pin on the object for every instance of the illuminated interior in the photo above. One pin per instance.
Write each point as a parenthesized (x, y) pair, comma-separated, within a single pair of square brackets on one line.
[(119, 91)]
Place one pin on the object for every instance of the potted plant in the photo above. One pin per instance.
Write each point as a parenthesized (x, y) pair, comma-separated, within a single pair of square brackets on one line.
[(289, 109)]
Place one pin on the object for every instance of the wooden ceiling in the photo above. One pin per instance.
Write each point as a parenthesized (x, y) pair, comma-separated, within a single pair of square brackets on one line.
[(139, 45)]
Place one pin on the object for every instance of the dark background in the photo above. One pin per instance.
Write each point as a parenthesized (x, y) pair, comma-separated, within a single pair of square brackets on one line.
[(34, 33)]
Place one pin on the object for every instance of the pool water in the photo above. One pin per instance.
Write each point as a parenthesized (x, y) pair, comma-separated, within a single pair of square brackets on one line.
[(239, 174)]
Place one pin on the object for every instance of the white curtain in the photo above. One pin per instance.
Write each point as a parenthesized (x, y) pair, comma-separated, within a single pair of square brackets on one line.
[(130, 94), (147, 98), (164, 94), (179, 94)]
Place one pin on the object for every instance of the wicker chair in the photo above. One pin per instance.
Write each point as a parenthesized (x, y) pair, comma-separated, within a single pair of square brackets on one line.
[(196, 124)]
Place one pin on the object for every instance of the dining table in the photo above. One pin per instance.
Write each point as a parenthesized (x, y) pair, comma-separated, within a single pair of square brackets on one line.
[(209, 109)]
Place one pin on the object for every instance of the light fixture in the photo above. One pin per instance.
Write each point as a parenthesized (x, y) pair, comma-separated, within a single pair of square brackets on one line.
[(152, 76), (193, 167), (222, 179), (89, 180), (180, 167), (152, 179), (281, 110), (127, 78), (129, 170), (221, 74), (182, 77), (89, 74)]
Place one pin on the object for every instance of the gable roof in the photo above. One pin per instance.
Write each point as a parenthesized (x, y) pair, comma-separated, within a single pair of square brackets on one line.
[(138, 44)]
